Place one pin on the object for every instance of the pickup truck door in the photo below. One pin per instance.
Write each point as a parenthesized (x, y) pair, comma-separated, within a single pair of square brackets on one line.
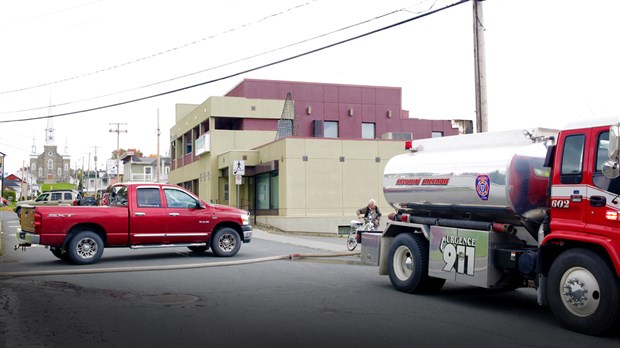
[(188, 221), (148, 217)]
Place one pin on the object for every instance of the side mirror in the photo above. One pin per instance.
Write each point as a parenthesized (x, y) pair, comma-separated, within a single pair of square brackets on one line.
[(614, 150), (610, 169)]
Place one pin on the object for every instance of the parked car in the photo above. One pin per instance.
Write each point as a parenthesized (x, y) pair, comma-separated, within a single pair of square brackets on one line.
[(3, 202), (56, 197)]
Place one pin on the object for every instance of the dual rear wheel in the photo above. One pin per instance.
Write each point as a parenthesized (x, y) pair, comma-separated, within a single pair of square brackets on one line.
[(408, 265)]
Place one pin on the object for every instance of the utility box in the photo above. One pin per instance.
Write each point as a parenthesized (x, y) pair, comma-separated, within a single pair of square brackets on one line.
[(371, 243)]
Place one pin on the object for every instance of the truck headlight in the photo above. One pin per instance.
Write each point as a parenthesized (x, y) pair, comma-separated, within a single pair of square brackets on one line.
[(245, 219)]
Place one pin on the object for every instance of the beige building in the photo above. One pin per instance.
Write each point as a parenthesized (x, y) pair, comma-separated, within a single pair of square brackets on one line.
[(313, 182)]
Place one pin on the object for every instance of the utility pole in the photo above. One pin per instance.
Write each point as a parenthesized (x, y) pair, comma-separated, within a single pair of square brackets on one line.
[(158, 168), (2, 157), (88, 186), (118, 132), (21, 184), (480, 69), (96, 170)]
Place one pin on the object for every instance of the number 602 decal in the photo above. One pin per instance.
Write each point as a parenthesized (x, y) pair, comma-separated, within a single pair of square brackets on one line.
[(560, 203)]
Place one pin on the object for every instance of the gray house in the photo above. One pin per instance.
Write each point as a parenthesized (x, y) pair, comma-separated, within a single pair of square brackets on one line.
[(144, 169)]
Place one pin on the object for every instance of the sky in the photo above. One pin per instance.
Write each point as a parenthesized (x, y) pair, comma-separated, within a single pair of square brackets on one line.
[(548, 62)]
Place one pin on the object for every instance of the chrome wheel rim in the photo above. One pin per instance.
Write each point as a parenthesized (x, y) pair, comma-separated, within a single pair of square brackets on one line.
[(86, 248), (227, 243), (403, 263), (580, 292)]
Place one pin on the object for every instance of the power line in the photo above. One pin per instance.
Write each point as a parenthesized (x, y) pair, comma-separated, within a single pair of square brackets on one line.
[(241, 72), (215, 67), (170, 50)]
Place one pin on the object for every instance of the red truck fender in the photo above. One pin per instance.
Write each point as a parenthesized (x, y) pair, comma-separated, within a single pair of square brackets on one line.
[(611, 246)]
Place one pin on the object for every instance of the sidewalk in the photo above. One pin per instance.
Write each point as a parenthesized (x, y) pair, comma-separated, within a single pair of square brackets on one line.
[(320, 243)]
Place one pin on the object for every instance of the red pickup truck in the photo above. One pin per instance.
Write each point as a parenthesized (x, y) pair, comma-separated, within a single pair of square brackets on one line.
[(138, 215)]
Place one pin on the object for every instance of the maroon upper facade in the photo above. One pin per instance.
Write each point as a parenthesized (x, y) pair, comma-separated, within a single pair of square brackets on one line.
[(348, 105)]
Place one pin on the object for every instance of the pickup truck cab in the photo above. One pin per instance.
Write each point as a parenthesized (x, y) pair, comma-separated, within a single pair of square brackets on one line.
[(138, 215)]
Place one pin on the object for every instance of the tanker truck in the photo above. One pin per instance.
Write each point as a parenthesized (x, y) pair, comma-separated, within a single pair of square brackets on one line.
[(534, 208)]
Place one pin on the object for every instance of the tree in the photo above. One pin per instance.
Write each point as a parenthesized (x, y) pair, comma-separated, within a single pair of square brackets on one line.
[(122, 152)]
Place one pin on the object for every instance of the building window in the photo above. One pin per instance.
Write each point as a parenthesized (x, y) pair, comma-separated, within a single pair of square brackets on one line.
[(148, 173), (50, 164), (33, 167), (330, 129), (267, 191), (66, 167), (59, 172), (262, 192), (228, 123), (40, 172), (436, 134), (368, 130), (274, 199)]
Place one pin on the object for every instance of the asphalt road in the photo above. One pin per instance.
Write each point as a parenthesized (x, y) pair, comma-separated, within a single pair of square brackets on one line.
[(299, 302)]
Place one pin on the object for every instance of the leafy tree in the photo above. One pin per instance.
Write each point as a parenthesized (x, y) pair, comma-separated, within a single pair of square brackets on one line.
[(123, 152)]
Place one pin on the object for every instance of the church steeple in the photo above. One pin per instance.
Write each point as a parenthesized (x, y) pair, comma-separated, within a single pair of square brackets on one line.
[(49, 132)]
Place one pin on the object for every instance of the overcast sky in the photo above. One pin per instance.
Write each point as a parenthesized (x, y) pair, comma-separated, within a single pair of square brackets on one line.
[(549, 62)]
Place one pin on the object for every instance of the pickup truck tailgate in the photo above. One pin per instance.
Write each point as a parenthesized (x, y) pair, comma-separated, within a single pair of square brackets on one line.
[(26, 218)]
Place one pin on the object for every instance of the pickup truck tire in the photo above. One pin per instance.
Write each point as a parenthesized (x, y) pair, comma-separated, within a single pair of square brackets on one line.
[(408, 265), (84, 248), (583, 292), (17, 211), (225, 242)]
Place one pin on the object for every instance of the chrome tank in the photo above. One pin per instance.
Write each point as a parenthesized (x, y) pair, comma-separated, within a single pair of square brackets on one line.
[(495, 177)]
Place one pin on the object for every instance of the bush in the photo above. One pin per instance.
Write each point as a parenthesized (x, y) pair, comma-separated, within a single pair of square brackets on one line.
[(9, 195)]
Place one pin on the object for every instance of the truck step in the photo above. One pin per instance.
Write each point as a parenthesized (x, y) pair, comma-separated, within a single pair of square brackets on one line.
[(179, 245)]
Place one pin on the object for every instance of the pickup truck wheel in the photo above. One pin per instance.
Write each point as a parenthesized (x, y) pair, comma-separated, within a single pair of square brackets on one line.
[(225, 242), (17, 211), (408, 265), (583, 292), (59, 253), (85, 248)]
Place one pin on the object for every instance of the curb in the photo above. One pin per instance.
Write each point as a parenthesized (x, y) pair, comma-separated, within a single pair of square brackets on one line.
[(175, 267)]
